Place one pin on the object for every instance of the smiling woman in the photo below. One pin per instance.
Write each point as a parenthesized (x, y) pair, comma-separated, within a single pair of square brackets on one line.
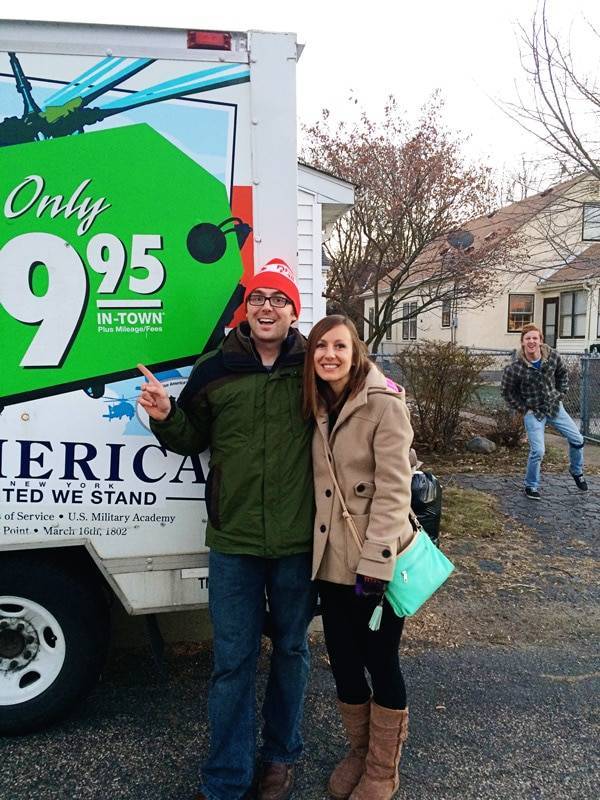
[(362, 438)]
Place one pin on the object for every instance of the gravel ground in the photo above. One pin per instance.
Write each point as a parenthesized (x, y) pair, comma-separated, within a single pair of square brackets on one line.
[(486, 722), (502, 669)]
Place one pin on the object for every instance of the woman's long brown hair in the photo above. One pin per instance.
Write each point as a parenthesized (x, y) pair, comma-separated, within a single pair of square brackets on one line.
[(316, 392)]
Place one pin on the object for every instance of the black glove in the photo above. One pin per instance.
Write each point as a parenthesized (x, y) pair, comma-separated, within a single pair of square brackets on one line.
[(367, 587)]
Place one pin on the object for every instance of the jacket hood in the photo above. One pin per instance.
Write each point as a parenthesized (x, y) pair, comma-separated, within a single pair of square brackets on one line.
[(544, 348), (375, 383)]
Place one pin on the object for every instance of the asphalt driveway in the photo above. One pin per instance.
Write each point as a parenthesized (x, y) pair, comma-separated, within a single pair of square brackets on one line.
[(503, 687)]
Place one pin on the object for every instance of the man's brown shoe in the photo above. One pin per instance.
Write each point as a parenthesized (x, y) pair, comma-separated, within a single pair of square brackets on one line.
[(276, 781), (203, 796)]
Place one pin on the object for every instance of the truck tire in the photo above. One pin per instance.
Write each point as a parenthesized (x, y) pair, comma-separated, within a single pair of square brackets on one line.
[(53, 637)]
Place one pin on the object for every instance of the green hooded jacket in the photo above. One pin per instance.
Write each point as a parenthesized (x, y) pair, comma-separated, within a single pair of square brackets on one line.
[(259, 490)]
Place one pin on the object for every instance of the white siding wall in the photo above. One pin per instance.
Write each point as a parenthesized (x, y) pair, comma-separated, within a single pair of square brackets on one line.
[(484, 326), (310, 278)]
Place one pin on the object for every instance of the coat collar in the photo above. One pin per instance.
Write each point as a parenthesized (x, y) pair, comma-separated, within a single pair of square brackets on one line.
[(374, 381), (239, 353), (545, 352)]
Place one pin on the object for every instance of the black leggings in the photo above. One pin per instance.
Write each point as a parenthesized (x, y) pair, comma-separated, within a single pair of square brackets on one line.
[(353, 646)]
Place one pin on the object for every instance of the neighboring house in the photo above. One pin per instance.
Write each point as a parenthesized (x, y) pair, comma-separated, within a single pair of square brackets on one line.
[(322, 199), (549, 275)]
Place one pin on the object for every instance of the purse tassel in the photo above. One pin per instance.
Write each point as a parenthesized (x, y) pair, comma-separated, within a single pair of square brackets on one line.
[(375, 620)]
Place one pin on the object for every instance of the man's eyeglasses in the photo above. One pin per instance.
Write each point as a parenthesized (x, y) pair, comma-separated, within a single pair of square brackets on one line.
[(276, 300)]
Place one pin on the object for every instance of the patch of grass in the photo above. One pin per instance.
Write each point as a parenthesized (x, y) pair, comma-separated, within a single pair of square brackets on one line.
[(468, 513), (556, 456), (504, 461)]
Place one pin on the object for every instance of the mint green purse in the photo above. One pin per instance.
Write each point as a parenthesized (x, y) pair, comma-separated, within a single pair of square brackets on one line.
[(421, 568)]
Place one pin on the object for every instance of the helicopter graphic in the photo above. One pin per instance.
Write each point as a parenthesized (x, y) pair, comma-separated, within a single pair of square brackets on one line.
[(68, 110), (119, 407)]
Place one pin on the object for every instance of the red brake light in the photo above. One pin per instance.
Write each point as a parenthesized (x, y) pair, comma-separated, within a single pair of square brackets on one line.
[(208, 40)]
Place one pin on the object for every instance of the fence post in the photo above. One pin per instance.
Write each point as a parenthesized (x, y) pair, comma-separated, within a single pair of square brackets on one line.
[(583, 395)]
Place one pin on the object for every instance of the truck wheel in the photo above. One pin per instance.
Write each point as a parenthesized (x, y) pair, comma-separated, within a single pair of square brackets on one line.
[(53, 638)]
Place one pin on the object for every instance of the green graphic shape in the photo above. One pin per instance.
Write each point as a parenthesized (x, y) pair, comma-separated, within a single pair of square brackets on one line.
[(150, 189)]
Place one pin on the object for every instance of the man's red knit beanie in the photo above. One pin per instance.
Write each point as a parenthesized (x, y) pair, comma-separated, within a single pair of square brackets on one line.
[(275, 274)]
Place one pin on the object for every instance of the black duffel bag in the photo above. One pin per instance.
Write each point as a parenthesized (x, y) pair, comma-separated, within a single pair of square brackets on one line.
[(426, 501)]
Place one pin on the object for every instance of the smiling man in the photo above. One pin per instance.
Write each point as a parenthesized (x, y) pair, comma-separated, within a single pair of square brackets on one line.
[(534, 384), (243, 401)]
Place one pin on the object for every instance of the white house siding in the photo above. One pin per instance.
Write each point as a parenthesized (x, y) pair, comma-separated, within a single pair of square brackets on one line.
[(309, 260), (477, 326), (322, 199)]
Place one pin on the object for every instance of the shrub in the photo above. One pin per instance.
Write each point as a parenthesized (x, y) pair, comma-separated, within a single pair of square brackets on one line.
[(441, 378), (508, 429)]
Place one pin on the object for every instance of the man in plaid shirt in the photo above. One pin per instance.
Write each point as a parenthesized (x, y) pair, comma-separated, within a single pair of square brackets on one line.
[(534, 384)]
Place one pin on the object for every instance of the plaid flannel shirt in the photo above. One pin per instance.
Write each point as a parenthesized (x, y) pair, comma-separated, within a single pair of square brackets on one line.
[(526, 388)]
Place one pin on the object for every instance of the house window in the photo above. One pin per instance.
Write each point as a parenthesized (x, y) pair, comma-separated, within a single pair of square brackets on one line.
[(371, 322), (446, 310), (591, 222), (520, 311), (573, 311), (409, 324), (388, 333)]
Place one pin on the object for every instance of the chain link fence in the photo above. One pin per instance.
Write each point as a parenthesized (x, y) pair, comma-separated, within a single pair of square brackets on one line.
[(590, 396), (582, 400)]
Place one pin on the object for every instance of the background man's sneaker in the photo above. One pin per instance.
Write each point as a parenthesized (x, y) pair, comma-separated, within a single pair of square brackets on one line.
[(581, 482), (532, 494)]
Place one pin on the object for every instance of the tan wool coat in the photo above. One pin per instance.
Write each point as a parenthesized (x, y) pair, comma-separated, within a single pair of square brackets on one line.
[(370, 443)]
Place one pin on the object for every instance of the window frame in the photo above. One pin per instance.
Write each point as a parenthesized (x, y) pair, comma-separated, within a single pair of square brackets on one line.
[(405, 322), (519, 294), (583, 222), (409, 324), (572, 315), (447, 309), (413, 321)]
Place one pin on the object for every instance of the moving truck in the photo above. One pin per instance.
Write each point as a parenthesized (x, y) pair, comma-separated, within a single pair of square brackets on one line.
[(143, 172)]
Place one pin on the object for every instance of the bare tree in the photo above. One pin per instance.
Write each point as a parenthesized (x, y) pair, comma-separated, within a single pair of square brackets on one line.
[(563, 106), (517, 184), (413, 188)]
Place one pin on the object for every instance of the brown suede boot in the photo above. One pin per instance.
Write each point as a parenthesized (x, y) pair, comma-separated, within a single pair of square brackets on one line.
[(387, 732), (350, 769)]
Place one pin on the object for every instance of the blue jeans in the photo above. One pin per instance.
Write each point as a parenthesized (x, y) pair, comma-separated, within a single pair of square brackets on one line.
[(238, 589), (564, 425)]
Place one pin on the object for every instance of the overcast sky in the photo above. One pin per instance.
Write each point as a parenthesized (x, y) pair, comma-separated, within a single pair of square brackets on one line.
[(466, 48)]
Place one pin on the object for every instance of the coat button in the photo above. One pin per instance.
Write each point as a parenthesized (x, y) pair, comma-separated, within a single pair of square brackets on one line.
[(360, 487), (323, 528), (327, 492), (386, 553)]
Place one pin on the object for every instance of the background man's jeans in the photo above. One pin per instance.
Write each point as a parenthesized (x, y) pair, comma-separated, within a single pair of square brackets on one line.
[(564, 425), (237, 609)]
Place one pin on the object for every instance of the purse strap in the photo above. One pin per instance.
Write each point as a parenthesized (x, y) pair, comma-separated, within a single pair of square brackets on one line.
[(415, 524), (345, 513)]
